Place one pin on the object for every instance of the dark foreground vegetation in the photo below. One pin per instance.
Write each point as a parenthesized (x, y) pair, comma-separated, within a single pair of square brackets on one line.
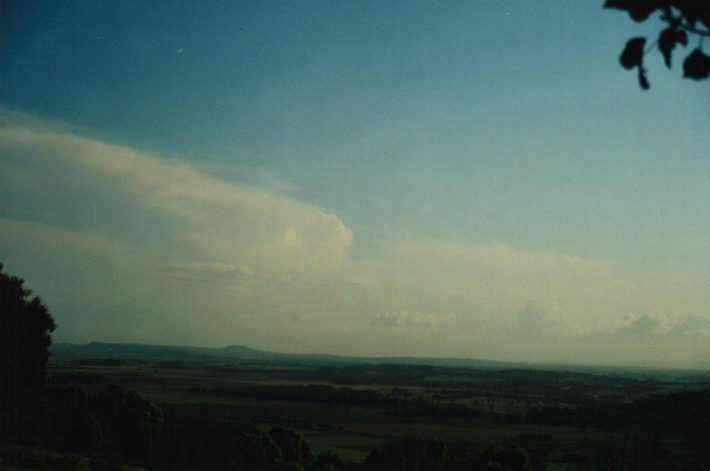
[(105, 413), (168, 410)]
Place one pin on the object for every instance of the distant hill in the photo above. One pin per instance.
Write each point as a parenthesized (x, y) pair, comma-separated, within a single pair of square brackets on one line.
[(242, 353)]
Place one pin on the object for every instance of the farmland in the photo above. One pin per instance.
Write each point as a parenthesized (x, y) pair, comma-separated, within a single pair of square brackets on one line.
[(564, 418)]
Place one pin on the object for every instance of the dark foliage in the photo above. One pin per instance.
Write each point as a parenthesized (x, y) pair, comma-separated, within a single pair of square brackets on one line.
[(681, 410), (430, 455), (193, 444), (129, 422), (684, 19), (70, 423), (328, 461), (697, 65), (293, 448), (509, 458), (386, 459), (25, 327)]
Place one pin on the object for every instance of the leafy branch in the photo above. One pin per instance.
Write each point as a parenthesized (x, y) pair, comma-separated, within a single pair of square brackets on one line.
[(683, 18)]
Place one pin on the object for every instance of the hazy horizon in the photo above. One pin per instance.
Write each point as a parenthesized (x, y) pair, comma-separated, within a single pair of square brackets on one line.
[(412, 359), (476, 180)]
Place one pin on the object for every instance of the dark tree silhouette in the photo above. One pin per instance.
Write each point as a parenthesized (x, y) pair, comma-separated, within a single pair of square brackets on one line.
[(129, 423), (70, 423), (687, 22), (328, 461), (25, 327), (293, 448)]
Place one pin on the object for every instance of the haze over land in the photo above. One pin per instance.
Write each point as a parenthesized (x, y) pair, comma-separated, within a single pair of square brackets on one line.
[(450, 180)]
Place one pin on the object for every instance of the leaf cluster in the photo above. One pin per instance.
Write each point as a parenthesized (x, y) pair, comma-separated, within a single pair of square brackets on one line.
[(683, 19)]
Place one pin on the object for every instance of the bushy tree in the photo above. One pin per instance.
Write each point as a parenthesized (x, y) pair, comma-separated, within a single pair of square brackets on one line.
[(292, 447), (70, 422), (25, 328), (129, 423)]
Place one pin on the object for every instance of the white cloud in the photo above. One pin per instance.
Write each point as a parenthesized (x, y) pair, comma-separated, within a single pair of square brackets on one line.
[(233, 222)]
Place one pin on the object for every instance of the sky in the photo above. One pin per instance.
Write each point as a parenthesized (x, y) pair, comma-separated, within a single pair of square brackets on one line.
[(447, 179)]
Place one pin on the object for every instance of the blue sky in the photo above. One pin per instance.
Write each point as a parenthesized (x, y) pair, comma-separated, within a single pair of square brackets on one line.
[(475, 179)]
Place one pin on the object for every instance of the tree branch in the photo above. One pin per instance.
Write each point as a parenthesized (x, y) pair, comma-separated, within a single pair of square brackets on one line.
[(694, 30)]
